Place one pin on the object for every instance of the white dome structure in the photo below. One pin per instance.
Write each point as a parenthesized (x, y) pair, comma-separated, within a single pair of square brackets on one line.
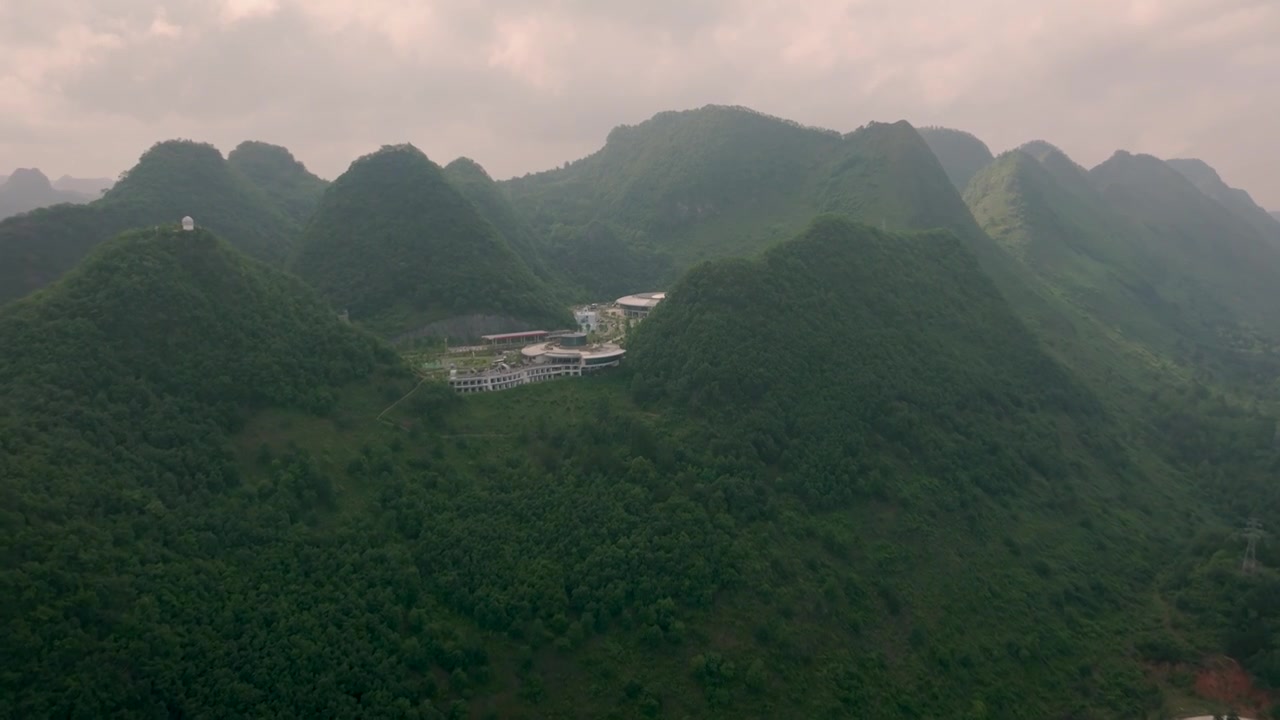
[(188, 224)]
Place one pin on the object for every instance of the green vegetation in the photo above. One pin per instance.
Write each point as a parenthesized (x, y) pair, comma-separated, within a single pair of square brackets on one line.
[(1206, 240), (992, 469), (1238, 201), (678, 188), (279, 176), (134, 543), (171, 180), (962, 154), (474, 184), (1172, 322), (740, 533), (717, 182), (400, 248)]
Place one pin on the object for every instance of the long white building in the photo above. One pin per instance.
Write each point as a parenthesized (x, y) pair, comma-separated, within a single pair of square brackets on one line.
[(569, 355)]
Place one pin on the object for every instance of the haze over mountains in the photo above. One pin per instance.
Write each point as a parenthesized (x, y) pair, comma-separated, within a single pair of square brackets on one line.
[(918, 431), (28, 188)]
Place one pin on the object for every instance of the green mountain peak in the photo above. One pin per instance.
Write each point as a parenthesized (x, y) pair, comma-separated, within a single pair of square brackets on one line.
[(962, 154), (1238, 201), (172, 179), (397, 245), (280, 176)]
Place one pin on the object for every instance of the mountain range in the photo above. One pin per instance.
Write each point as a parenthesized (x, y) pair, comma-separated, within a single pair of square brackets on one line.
[(27, 189), (918, 431), (397, 245), (171, 180), (689, 186)]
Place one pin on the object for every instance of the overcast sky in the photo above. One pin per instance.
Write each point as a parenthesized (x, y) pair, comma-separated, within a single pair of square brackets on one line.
[(523, 85)]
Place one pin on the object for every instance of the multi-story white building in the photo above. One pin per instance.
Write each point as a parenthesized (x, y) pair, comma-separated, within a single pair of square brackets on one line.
[(569, 355), (588, 320)]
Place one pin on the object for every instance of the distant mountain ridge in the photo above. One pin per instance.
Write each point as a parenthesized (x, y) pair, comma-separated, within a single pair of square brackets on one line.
[(93, 187), (962, 154), (475, 184), (1215, 245), (1238, 201), (280, 176), (170, 180), (1154, 266), (720, 181), (28, 189)]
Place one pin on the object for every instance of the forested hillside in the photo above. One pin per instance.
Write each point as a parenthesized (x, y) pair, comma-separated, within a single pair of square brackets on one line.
[(1238, 201), (1046, 214), (717, 182), (928, 455), (171, 180), (808, 497), (395, 244), (962, 154), (122, 384), (281, 177), (1206, 241), (470, 179), (678, 188)]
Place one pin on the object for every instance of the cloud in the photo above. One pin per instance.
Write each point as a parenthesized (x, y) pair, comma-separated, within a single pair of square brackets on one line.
[(522, 85), (233, 11)]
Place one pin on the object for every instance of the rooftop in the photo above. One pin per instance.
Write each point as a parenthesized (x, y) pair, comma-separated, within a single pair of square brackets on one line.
[(586, 352), (514, 335), (647, 300)]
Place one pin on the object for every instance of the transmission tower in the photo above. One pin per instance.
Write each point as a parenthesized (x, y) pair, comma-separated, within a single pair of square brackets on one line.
[(1252, 534)]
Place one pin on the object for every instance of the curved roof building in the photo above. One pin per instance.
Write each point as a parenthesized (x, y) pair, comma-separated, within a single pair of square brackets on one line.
[(573, 353), (641, 303)]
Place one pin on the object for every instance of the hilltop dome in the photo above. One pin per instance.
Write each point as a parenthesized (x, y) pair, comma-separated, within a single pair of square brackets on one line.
[(188, 224)]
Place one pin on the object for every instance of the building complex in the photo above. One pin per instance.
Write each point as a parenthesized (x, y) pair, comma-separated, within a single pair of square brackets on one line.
[(568, 355), (547, 355), (640, 304)]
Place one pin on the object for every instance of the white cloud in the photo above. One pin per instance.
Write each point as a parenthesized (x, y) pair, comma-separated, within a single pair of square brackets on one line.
[(526, 84), (236, 10)]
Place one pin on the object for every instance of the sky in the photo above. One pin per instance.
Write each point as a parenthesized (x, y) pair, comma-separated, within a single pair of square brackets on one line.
[(524, 85)]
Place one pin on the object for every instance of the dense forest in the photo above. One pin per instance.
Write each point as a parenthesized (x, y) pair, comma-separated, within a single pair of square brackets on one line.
[(399, 247), (918, 432), (278, 174), (171, 180)]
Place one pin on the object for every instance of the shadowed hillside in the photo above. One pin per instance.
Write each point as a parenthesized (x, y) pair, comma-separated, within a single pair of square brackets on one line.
[(118, 458), (171, 180), (470, 179), (874, 397), (27, 189), (1205, 241), (1046, 214), (275, 172), (717, 182), (1234, 199), (962, 154), (400, 248)]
